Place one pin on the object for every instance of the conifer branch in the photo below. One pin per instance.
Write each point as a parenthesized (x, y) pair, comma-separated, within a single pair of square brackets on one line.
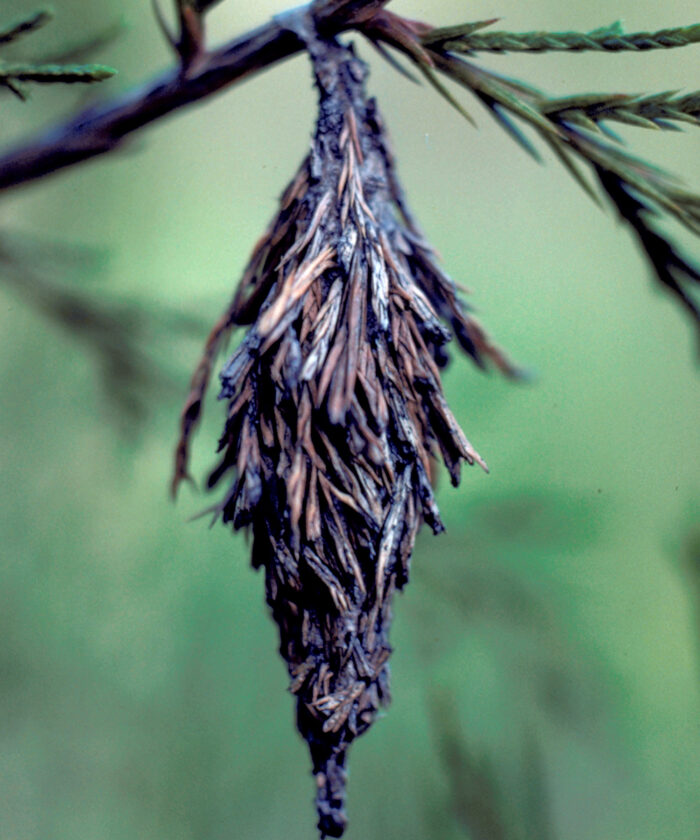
[(469, 38), (658, 110), (575, 127), (14, 74), (104, 127), (51, 73)]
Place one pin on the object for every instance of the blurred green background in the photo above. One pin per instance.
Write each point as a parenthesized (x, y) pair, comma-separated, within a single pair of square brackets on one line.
[(545, 672)]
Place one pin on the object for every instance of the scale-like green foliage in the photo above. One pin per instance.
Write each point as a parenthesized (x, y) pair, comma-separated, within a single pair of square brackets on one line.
[(659, 110), (14, 74), (469, 38), (575, 127)]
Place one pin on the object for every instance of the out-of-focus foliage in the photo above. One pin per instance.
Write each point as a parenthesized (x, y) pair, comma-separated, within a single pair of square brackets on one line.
[(545, 673), (120, 336)]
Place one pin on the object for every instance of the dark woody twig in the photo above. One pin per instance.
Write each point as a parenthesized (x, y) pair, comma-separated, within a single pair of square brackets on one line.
[(103, 127)]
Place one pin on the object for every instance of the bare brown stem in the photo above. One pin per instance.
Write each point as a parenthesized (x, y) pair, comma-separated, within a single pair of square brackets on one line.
[(104, 127)]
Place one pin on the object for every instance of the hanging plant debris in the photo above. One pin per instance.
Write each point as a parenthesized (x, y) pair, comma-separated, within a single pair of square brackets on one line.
[(335, 412)]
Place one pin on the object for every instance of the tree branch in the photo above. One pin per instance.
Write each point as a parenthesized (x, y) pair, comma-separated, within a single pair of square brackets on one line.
[(104, 127)]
